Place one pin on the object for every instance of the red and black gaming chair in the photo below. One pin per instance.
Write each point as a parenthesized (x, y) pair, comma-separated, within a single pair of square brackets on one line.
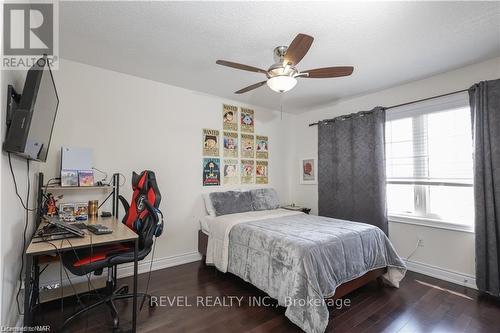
[(143, 217)]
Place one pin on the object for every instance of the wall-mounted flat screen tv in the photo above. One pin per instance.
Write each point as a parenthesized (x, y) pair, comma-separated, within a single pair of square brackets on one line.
[(31, 115)]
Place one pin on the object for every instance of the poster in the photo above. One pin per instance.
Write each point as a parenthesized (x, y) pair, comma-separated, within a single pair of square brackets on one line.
[(230, 117), (247, 120), (211, 172), (308, 174), (261, 147), (210, 142), (261, 172), (247, 145), (230, 144), (230, 172), (247, 171)]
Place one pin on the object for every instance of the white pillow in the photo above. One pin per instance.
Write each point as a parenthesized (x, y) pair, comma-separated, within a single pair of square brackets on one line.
[(208, 204)]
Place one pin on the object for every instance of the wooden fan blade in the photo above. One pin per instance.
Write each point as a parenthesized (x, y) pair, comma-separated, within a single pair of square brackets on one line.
[(252, 87), (240, 66), (326, 72), (298, 49)]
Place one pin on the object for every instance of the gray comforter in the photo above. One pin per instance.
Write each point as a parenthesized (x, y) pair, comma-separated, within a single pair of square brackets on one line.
[(300, 260)]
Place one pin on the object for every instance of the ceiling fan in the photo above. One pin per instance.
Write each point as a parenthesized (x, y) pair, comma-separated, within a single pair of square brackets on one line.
[(282, 75)]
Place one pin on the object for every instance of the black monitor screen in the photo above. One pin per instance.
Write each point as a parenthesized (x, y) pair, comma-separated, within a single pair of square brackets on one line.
[(44, 113)]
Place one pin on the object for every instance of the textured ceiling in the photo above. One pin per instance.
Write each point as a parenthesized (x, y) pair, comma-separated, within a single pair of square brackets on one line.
[(388, 43)]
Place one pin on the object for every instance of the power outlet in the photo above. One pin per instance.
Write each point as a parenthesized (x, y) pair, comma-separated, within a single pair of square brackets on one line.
[(420, 242)]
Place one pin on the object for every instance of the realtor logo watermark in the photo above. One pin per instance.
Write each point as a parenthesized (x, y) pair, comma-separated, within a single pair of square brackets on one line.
[(30, 30)]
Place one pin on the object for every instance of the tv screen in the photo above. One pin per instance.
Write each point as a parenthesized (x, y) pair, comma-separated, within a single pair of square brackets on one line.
[(31, 122)]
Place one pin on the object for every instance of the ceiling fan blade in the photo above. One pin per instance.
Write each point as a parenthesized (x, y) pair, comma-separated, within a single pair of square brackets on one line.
[(252, 87), (320, 73), (298, 49), (240, 66)]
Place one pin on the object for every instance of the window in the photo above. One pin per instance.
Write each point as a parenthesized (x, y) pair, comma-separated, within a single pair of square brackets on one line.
[(429, 163)]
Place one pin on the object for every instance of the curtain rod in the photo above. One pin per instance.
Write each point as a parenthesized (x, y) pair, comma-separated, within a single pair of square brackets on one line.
[(412, 102)]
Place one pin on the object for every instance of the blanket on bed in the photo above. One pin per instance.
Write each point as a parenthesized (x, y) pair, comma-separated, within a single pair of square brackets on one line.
[(300, 259)]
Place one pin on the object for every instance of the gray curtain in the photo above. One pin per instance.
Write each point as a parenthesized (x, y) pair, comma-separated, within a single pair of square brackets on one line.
[(351, 168), (485, 107)]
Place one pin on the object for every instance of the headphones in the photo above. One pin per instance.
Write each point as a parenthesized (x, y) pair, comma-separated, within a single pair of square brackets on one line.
[(159, 226)]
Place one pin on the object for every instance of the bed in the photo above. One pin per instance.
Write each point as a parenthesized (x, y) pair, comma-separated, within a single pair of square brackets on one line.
[(300, 260)]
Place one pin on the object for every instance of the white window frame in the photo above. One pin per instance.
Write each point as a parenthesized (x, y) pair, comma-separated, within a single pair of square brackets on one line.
[(414, 110)]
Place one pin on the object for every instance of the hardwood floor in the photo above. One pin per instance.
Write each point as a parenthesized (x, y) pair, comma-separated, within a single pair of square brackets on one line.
[(421, 304)]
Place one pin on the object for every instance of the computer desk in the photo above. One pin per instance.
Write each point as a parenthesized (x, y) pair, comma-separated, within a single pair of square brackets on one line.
[(121, 233)]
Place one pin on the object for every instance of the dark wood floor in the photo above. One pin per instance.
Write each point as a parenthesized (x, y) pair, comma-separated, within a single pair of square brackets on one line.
[(421, 304)]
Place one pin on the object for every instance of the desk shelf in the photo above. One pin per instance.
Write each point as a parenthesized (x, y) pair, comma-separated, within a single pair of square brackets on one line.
[(63, 188)]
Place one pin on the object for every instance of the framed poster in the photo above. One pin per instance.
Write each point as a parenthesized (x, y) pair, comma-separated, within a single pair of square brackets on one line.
[(230, 144), (308, 171), (261, 147), (247, 145), (210, 142), (247, 120), (211, 172), (230, 117), (261, 172), (247, 171), (230, 172)]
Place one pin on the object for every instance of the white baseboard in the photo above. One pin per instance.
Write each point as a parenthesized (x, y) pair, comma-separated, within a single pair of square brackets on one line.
[(462, 279), (160, 263)]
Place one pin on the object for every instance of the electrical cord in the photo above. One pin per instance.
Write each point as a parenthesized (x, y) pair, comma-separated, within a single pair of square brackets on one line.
[(25, 206), (26, 222), (102, 172), (149, 274), (414, 250)]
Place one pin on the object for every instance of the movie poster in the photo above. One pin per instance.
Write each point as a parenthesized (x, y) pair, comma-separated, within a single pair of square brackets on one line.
[(261, 147), (211, 172), (230, 172), (247, 120), (247, 144), (247, 171), (230, 144), (230, 117), (210, 142), (261, 172)]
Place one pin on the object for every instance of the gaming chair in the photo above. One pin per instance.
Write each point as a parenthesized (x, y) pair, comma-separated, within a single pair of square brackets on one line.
[(143, 217)]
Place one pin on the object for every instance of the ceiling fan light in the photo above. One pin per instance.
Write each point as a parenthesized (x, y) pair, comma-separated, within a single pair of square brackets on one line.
[(281, 83)]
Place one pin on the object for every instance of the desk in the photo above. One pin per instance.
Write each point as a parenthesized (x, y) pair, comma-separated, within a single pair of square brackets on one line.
[(121, 233)]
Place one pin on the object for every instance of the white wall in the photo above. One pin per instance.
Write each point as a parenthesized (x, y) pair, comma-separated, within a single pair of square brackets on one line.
[(449, 250), (12, 214)]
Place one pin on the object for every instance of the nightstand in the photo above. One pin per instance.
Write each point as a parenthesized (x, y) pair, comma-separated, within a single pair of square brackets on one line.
[(297, 208)]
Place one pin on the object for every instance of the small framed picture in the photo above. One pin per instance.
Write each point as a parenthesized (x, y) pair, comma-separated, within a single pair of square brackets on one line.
[(308, 171)]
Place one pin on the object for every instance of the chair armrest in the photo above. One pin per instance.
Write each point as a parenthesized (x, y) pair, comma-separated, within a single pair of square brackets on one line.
[(124, 203)]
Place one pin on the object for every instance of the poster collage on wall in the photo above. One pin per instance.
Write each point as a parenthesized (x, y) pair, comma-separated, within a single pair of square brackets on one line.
[(244, 154)]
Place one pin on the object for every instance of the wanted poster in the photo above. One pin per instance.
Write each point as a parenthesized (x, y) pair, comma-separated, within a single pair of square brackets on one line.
[(210, 142), (247, 143), (230, 144), (261, 172), (261, 147), (230, 172), (211, 172), (247, 120), (247, 171), (230, 117)]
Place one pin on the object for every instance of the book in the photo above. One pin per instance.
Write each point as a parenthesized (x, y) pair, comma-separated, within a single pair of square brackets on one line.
[(85, 178), (69, 178)]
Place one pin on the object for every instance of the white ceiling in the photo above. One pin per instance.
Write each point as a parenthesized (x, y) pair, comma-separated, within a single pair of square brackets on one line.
[(388, 43)]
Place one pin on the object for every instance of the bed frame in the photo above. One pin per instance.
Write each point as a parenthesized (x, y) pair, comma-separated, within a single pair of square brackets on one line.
[(341, 291)]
